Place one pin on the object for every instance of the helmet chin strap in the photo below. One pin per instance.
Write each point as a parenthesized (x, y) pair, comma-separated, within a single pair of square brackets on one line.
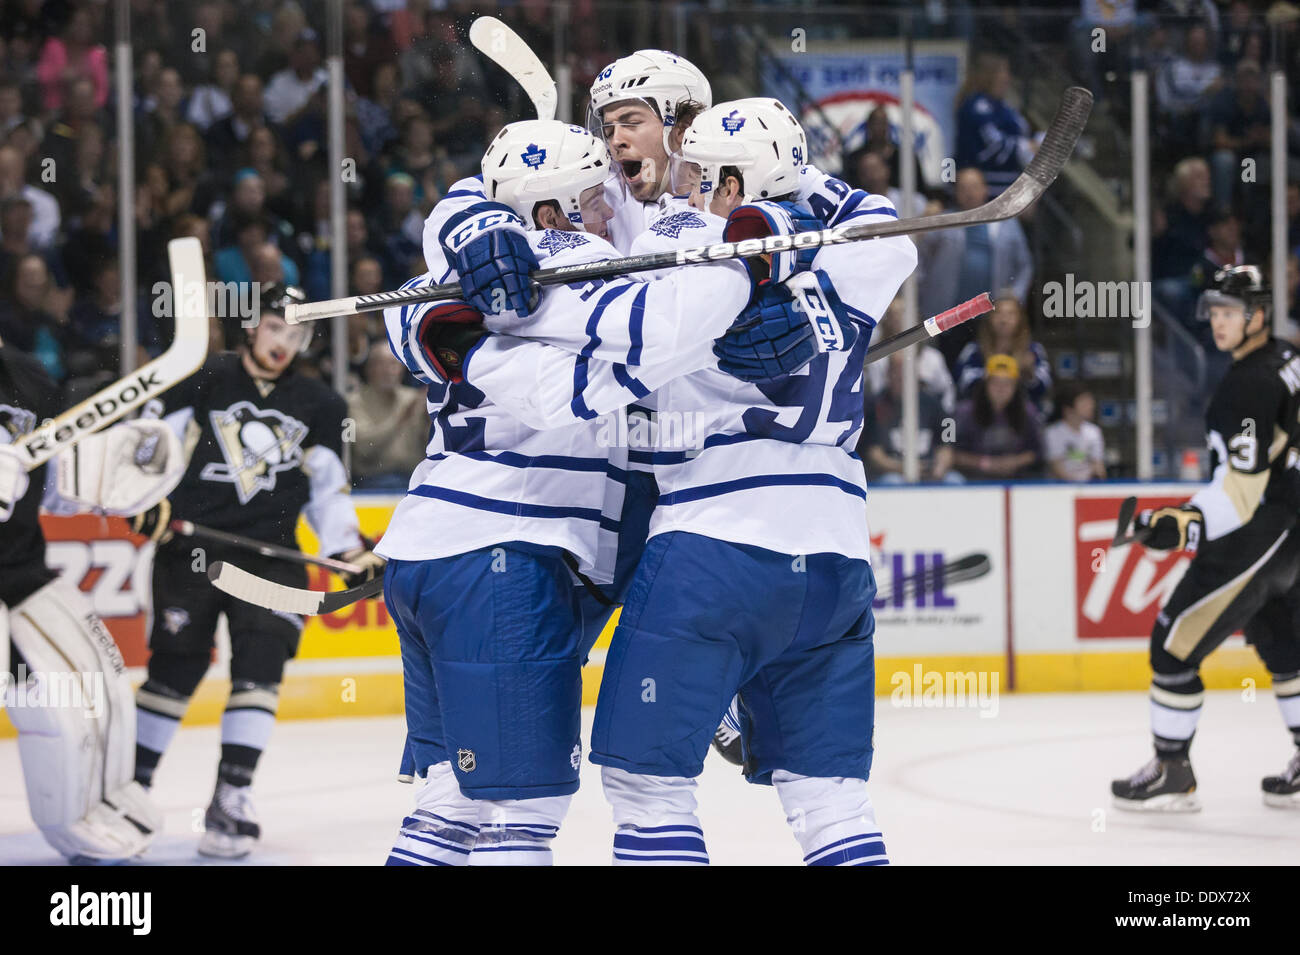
[(1247, 335)]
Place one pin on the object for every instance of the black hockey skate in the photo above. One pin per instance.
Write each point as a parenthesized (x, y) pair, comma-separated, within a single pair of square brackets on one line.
[(1162, 785), (1283, 791), (231, 830)]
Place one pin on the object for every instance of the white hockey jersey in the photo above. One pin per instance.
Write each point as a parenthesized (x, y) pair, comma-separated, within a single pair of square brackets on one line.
[(489, 477), (768, 464)]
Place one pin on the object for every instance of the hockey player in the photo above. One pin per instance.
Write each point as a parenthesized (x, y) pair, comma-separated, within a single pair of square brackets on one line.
[(265, 447), (77, 758), (480, 551), (728, 595), (1241, 530)]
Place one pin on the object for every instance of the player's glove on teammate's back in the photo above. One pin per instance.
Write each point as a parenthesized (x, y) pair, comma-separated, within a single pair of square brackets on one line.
[(447, 333), (770, 338), (1171, 528), (489, 246)]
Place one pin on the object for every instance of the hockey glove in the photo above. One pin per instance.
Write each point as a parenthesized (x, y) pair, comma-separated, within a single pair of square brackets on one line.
[(371, 564), (13, 481), (1170, 528), (155, 522), (759, 220), (447, 333), (489, 246), (770, 338)]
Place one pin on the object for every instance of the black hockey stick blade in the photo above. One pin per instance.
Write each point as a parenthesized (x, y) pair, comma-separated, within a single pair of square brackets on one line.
[(260, 592), (1053, 153), (963, 569), (1124, 521), (190, 529)]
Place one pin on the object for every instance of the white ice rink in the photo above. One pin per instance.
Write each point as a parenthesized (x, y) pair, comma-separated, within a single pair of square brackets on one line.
[(1029, 786)]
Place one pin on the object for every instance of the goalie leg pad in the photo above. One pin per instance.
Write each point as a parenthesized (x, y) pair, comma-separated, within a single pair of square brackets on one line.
[(77, 741)]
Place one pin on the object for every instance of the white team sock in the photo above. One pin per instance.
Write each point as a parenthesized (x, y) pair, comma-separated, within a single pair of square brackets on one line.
[(443, 827), (518, 831), (1174, 715), (654, 818), (1287, 691), (832, 818)]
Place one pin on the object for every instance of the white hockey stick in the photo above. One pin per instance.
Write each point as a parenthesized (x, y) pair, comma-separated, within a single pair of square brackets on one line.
[(507, 49), (261, 592), (1053, 152), (182, 359)]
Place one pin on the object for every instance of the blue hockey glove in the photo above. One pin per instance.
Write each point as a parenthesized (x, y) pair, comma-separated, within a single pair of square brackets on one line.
[(770, 338), (488, 245), (758, 220)]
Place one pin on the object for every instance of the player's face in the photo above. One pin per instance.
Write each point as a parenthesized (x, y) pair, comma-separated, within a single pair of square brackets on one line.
[(596, 212), (1226, 323), (275, 343), (635, 136)]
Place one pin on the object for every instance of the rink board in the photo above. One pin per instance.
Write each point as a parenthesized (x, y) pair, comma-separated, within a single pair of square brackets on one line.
[(1059, 610)]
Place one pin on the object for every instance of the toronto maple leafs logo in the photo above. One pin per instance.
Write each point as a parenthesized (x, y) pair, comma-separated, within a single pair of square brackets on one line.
[(554, 241), (732, 123), (672, 226), (257, 444), (14, 423), (533, 156)]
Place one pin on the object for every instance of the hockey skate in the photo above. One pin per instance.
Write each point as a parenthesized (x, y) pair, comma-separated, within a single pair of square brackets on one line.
[(1283, 791), (1162, 785), (231, 829)]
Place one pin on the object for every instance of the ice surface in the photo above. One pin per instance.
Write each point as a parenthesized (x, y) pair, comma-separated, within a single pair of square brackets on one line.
[(1027, 786)]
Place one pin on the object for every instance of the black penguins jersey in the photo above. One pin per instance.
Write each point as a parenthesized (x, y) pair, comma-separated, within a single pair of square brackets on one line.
[(27, 397), (261, 454), (1253, 430)]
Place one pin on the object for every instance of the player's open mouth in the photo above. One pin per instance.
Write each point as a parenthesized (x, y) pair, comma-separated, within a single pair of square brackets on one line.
[(277, 355), (631, 168)]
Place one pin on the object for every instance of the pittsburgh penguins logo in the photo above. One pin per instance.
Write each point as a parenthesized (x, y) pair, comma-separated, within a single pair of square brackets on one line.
[(14, 423), (257, 444)]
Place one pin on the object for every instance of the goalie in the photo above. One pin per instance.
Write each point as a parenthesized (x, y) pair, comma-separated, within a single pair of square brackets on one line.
[(77, 761)]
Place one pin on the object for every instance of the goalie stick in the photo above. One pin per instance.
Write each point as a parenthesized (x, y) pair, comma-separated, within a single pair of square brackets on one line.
[(1053, 152), (504, 47), (252, 589), (178, 362)]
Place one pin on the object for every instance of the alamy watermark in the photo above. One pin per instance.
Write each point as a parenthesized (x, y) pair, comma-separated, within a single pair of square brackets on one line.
[(57, 690), (946, 688)]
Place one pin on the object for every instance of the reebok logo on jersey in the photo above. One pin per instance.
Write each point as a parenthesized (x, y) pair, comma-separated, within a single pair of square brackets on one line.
[(257, 445), (672, 226)]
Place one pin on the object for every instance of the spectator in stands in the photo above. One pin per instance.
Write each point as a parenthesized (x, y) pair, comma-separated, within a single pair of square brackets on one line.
[(79, 113), (931, 369), (93, 335), (366, 46), (873, 176), (292, 89), (1185, 86), (248, 201), (1223, 249), (235, 263), (33, 313), (264, 155), (1240, 128), (227, 136), (881, 444), (76, 191), (212, 101), (70, 56), (1241, 31), (956, 264), (1073, 444), (1006, 332), (991, 133), (367, 276), (163, 111), (1180, 236), (392, 425), (375, 112), (45, 208), (998, 434), (190, 185), (11, 105)]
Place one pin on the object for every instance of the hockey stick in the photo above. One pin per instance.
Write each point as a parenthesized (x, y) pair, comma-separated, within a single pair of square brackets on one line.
[(265, 593), (1122, 538), (504, 47), (932, 326), (970, 567), (1042, 170), (189, 529), (178, 362)]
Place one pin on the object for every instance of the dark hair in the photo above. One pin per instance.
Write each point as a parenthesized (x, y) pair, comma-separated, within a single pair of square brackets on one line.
[(1017, 411), (1067, 393)]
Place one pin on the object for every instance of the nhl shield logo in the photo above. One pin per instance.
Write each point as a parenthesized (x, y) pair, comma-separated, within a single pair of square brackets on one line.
[(465, 760)]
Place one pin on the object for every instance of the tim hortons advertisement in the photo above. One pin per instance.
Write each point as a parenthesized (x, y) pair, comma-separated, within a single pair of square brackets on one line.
[(1120, 589)]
